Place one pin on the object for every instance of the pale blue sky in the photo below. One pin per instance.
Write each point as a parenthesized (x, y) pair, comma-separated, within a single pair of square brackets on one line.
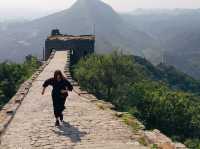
[(42, 7)]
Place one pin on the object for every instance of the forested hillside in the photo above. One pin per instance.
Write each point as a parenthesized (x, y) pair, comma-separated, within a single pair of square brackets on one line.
[(161, 97), (12, 75)]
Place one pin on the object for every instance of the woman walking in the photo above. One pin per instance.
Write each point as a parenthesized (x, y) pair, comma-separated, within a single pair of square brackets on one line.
[(61, 86)]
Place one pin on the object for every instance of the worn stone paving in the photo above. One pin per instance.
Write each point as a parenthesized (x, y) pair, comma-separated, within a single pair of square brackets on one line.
[(85, 125)]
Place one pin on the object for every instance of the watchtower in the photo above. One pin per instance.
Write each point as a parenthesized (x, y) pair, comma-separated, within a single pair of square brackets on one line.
[(79, 46)]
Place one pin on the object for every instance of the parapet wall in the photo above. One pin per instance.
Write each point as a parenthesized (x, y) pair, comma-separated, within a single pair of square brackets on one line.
[(8, 111), (150, 138)]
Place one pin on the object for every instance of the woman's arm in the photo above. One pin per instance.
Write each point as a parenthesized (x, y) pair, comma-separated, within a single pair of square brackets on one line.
[(43, 90), (47, 83), (64, 91), (68, 85)]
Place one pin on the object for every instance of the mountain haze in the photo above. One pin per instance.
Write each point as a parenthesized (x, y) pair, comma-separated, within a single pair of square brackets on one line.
[(177, 31), (110, 29)]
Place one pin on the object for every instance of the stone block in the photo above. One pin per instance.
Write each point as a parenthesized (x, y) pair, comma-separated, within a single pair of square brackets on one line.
[(180, 146), (7, 121), (13, 109), (18, 100), (2, 129), (163, 142), (166, 146), (156, 137)]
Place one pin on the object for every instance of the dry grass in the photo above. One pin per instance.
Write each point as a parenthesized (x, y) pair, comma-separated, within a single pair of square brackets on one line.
[(101, 106), (143, 141), (131, 121)]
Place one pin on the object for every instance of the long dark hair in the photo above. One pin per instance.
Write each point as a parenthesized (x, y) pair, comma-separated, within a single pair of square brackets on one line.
[(58, 72)]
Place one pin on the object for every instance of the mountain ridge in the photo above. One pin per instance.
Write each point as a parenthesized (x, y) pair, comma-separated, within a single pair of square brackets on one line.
[(111, 30), (178, 35)]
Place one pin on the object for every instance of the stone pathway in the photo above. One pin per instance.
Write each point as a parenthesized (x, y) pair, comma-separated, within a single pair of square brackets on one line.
[(85, 127)]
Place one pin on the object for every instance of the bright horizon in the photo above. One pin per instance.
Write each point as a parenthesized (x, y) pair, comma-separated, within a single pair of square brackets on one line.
[(38, 8)]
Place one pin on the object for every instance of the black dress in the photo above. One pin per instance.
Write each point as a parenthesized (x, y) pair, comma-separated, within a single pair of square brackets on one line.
[(58, 98)]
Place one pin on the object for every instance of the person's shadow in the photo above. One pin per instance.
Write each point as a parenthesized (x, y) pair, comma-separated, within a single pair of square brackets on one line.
[(70, 131)]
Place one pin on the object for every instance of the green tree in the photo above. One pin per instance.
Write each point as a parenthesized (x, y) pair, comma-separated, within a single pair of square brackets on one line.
[(12, 75), (160, 100)]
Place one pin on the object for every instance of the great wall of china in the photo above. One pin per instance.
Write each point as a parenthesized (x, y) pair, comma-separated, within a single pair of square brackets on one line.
[(27, 122)]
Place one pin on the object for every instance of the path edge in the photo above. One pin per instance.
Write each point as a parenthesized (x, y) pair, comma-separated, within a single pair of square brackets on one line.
[(9, 110), (148, 138)]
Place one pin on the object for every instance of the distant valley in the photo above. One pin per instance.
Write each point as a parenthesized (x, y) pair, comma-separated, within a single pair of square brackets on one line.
[(178, 33), (112, 32), (170, 36)]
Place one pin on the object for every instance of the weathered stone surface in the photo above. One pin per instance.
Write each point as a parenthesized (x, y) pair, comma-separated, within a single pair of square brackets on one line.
[(155, 137), (163, 142), (167, 146), (85, 126), (179, 146), (89, 122), (8, 111)]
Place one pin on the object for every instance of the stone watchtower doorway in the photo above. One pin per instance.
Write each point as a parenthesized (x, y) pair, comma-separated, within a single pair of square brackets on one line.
[(79, 46)]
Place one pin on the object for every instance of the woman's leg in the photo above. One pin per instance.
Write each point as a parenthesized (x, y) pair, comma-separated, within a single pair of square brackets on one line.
[(56, 111), (56, 114), (61, 117), (63, 108)]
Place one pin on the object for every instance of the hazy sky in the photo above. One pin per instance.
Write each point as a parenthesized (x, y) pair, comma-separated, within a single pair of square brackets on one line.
[(25, 8)]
